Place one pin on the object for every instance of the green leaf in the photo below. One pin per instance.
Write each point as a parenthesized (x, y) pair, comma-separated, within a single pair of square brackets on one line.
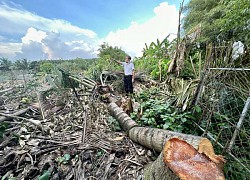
[(66, 157), (197, 109), (45, 176), (99, 153), (183, 119), (60, 159), (144, 119), (171, 119), (167, 125)]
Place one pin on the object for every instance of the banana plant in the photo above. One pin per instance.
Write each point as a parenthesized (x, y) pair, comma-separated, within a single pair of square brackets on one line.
[(155, 59)]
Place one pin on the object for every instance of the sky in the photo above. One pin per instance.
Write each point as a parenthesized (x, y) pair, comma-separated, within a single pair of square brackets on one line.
[(63, 29)]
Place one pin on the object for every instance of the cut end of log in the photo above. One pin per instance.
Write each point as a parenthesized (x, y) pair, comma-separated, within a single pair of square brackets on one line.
[(206, 147), (187, 163)]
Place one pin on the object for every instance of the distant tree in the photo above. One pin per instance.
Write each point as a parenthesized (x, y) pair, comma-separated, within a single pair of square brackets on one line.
[(22, 65), (46, 67), (106, 53), (5, 64), (113, 52), (83, 64), (34, 65)]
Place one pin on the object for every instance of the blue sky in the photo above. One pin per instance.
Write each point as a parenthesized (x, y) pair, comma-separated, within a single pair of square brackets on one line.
[(50, 29)]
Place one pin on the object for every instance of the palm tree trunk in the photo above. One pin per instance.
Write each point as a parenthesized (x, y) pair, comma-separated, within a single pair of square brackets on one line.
[(158, 139), (24, 79)]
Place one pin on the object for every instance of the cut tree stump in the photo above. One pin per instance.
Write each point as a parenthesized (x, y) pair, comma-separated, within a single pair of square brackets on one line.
[(170, 144)]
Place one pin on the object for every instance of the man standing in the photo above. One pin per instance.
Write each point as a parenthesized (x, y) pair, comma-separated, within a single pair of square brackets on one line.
[(129, 74)]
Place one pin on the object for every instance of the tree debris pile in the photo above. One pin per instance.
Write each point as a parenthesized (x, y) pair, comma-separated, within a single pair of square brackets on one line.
[(56, 135)]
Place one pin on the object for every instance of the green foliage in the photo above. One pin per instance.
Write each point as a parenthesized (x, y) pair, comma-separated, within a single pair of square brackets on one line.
[(106, 50), (77, 65), (155, 59), (83, 64), (34, 65), (235, 22), (67, 82), (22, 64), (104, 62), (8, 177), (220, 21), (204, 15), (192, 65), (45, 175), (64, 159), (69, 66), (147, 94), (46, 67), (5, 64), (161, 114), (3, 127), (100, 153), (32, 85), (114, 124), (235, 171)]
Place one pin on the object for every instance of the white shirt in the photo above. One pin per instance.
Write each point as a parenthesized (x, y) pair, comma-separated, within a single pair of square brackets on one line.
[(128, 68)]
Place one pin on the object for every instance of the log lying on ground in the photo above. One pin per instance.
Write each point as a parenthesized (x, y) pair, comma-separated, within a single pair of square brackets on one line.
[(18, 113), (152, 138), (124, 120), (6, 90), (157, 139), (84, 81)]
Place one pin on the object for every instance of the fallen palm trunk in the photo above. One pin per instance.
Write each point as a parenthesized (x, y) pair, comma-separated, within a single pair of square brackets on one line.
[(35, 122), (18, 113), (156, 139), (152, 138), (6, 90), (85, 82), (40, 98)]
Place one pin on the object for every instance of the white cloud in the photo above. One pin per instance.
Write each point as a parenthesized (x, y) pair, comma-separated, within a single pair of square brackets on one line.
[(42, 37), (33, 35), (37, 45), (133, 39), (9, 49)]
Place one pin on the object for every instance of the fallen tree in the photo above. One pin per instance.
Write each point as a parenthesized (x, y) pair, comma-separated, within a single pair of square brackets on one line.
[(182, 156), (18, 113)]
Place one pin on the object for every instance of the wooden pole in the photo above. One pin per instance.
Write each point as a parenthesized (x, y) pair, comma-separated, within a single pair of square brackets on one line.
[(239, 124)]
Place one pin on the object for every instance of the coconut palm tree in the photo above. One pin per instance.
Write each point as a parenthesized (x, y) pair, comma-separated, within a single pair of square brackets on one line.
[(5, 64), (22, 65)]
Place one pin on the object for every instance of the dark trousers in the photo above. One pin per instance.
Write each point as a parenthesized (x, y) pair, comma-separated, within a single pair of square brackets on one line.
[(128, 85)]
